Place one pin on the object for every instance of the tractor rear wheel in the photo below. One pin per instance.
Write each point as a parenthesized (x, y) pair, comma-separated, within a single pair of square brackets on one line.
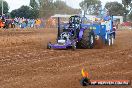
[(88, 39)]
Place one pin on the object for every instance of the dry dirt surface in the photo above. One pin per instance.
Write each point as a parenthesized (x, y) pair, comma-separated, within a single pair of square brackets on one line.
[(26, 63)]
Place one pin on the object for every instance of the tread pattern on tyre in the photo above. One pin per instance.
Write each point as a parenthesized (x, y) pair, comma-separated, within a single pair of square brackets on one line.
[(85, 42)]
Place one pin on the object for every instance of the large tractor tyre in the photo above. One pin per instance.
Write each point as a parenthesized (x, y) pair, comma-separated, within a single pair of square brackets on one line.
[(88, 39)]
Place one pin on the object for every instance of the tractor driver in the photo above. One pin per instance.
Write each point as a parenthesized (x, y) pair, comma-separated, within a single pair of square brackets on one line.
[(74, 23)]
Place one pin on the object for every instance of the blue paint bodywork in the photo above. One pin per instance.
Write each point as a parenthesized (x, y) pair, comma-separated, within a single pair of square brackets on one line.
[(98, 29)]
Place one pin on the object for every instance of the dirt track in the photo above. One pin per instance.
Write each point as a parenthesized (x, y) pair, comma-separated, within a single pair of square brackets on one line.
[(26, 63)]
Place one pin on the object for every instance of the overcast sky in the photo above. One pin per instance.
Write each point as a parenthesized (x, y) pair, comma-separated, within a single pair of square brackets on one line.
[(14, 4)]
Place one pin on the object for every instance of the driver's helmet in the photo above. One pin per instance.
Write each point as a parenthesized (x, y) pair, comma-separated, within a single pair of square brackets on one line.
[(77, 20), (74, 19)]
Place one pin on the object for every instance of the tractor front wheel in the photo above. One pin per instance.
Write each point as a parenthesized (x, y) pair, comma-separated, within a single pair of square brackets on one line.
[(48, 46)]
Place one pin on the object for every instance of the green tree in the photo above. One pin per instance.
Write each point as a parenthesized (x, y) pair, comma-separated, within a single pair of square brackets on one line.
[(126, 2), (130, 16), (115, 8), (128, 5), (51, 7), (91, 6), (47, 8), (34, 4), (130, 12), (5, 7), (62, 8), (35, 8), (24, 11)]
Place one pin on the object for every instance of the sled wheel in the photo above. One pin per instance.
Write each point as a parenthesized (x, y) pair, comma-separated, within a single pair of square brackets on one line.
[(112, 40)]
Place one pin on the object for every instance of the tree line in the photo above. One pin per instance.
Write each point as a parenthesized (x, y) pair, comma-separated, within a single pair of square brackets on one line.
[(47, 8)]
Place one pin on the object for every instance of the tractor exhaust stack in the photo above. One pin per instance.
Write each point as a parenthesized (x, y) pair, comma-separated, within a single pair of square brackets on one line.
[(58, 28)]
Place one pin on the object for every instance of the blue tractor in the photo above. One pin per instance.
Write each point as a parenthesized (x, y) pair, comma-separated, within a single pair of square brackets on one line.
[(78, 34)]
